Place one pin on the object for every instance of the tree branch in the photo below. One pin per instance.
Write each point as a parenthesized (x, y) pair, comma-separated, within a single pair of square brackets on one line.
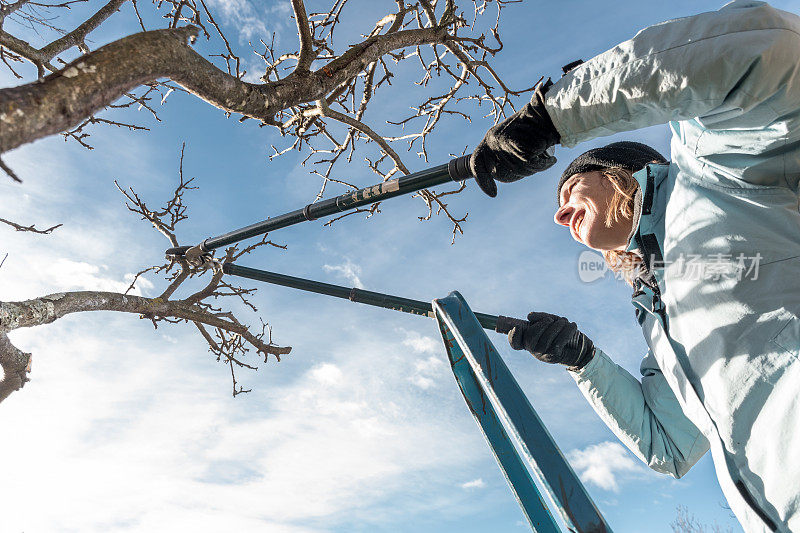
[(47, 309), (326, 111), (32, 228), (62, 100), (77, 37), (307, 54)]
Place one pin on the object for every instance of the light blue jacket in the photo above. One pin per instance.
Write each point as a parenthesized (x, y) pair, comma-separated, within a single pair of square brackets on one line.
[(720, 226)]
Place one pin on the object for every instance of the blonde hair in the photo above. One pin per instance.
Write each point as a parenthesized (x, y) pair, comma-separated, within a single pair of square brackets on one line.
[(621, 206)]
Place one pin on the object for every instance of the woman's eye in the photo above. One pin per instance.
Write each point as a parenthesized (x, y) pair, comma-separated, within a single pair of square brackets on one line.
[(569, 191)]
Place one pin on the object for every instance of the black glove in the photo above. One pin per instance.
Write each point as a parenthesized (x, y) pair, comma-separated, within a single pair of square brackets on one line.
[(550, 338), (517, 147)]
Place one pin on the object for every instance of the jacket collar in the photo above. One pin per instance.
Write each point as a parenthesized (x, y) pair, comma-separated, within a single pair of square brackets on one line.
[(648, 179), (648, 235)]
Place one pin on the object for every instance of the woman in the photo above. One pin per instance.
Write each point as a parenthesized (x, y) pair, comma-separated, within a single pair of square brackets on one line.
[(710, 242)]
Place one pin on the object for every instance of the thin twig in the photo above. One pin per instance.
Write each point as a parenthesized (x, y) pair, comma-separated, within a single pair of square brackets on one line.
[(32, 228)]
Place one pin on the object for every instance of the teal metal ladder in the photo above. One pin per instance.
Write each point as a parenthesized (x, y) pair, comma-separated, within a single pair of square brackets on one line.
[(493, 396)]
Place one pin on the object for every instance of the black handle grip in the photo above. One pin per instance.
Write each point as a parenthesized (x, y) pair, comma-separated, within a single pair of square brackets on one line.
[(506, 323), (459, 168), (180, 250)]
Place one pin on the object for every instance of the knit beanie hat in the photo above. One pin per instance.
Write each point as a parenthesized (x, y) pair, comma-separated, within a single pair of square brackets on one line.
[(626, 154)]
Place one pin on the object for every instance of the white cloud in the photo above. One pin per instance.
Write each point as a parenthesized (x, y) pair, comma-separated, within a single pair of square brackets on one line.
[(605, 464), (242, 15), (254, 73), (111, 400), (282, 7), (422, 382), (428, 371), (422, 344), (143, 285), (348, 270), (474, 484), (326, 373), (79, 275), (33, 270), (432, 364)]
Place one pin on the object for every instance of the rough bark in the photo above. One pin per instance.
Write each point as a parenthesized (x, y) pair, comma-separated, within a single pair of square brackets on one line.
[(15, 364), (88, 84)]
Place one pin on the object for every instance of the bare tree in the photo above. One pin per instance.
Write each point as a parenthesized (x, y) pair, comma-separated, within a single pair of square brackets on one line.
[(228, 338), (686, 522), (316, 96)]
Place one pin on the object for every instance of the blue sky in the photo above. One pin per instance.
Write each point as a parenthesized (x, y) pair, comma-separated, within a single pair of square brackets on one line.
[(361, 428)]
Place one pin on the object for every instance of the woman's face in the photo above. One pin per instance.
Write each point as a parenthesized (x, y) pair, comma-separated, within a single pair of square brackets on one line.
[(585, 200)]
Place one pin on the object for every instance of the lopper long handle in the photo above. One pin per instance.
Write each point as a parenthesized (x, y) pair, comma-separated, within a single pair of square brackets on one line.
[(387, 301), (457, 169)]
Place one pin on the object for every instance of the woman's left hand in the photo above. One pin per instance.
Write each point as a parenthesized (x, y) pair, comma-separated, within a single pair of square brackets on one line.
[(550, 338)]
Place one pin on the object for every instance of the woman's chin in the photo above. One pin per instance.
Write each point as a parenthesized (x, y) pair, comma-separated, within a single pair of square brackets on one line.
[(588, 239), (602, 240), (597, 245)]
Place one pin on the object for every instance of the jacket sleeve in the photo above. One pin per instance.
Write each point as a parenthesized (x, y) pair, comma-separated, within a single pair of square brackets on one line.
[(714, 66), (644, 415)]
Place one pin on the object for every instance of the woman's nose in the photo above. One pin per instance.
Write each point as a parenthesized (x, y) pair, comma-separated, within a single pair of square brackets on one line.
[(563, 215)]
